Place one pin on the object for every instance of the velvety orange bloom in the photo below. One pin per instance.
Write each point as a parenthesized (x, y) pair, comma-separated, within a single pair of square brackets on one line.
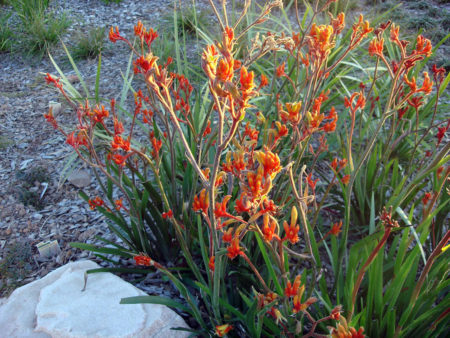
[(156, 144), (312, 183), (221, 208), (168, 214), (336, 228), (209, 61), (222, 330), (255, 182), (51, 119), (394, 33), (423, 46), (427, 85), (77, 139), (282, 129), (269, 161), (338, 23), (246, 80), (280, 70), (412, 84), (336, 313), (427, 197), (344, 331), (242, 206), (346, 179), (291, 290), (228, 235), (201, 201), (224, 70), (207, 129), (234, 249), (114, 34), (146, 261), (269, 227), (119, 143), (96, 202), (297, 301), (211, 264), (264, 81), (119, 204), (100, 114), (376, 47), (292, 229), (292, 114), (321, 39)]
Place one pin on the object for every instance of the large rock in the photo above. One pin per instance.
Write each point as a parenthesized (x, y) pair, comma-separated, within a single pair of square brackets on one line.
[(56, 306)]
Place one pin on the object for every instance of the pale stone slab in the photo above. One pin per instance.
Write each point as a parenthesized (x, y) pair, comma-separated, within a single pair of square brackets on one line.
[(56, 306)]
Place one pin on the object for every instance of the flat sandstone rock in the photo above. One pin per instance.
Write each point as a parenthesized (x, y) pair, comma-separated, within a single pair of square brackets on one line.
[(55, 306)]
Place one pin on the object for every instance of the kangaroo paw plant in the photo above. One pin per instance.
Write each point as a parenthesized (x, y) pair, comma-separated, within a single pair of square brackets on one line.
[(299, 187)]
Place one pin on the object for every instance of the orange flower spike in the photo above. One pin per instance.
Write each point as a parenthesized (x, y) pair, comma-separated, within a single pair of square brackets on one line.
[(211, 264), (224, 71), (282, 129), (234, 249), (264, 81), (394, 33), (201, 202), (338, 23), (412, 84), (221, 208), (336, 228), (222, 330), (292, 229), (228, 235), (423, 46), (269, 161), (168, 214), (427, 85), (292, 290), (254, 182), (242, 206), (207, 129), (346, 179), (297, 301), (146, 261), (246, 80), (280, 70), (139, 28), (114, 35), (376, 47), (269, 227)]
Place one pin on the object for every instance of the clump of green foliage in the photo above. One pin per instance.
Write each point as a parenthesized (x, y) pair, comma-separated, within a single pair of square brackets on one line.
[(90, 45), (14, 266), (28, 180)]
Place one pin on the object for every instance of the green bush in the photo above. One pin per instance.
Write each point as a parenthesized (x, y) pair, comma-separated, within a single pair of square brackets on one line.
[(90, 45)]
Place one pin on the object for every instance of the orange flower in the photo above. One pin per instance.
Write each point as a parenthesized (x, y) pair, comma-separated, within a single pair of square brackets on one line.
[(346, 179), (96, 202), (228, 235), (292, 290), (394, 33), (211, 263), (343, 330), (336, 228), (427, 85), (224, 71), (423, 46), (338, 23), (264, 81), (412, 84), (280, 70), (221, 208), (269, 227), (376, 47), (246, 80), (168, 214), (241, 205), (143, 259), (269, 161), (207, 129), (427, 197), (114, 35), (297, 301), (201, 202), (293, 112), (292, 229), (222, 330), (234, 249)]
